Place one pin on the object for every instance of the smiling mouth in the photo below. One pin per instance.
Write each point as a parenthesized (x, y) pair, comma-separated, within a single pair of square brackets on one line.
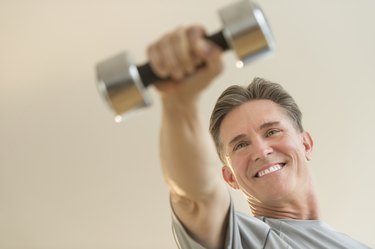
[(270, 170)]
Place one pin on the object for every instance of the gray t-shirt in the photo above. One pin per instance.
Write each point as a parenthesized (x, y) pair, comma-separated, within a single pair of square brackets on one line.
[(248, 232)]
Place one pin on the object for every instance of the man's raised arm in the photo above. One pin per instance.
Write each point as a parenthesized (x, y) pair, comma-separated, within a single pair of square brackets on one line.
[(199, 197)]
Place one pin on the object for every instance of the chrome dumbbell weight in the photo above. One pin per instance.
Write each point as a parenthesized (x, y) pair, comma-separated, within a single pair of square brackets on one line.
[(124, 84)]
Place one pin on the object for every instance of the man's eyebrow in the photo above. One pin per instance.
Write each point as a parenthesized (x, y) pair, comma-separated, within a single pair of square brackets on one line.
[(268, 125), (261, 127), (236, 138)]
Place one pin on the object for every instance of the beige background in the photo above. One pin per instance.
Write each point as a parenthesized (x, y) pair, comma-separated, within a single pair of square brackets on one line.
[(72, 178)]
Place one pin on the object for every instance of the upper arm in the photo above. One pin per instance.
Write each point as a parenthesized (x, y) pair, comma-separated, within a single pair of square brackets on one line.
[(205, 219)]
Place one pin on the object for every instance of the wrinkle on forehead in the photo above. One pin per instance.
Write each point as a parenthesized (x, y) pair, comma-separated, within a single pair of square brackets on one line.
[(261, 112)]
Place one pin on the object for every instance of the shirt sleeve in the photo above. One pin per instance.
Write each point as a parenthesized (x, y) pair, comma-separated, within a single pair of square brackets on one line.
[(243, 231), (181, 237)]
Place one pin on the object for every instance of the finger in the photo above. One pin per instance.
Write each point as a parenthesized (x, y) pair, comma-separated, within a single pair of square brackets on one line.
[(199, 45), (170, 57), (182, 48), (214, 61), (163, 60), (155, 60)]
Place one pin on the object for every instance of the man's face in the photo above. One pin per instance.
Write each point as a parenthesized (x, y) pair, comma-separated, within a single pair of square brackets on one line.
[(266, 156)]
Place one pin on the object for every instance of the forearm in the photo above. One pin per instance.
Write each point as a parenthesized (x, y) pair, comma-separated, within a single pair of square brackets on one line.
[(187, 153)]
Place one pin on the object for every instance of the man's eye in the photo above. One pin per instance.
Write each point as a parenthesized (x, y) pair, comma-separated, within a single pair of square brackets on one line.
[(272, 132), (240, 146)]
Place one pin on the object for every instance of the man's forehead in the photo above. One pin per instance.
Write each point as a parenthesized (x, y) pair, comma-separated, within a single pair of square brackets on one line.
[(255, 115), (257, 111)]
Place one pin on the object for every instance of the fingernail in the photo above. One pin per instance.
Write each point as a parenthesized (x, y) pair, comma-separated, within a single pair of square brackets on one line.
[(203, 46)]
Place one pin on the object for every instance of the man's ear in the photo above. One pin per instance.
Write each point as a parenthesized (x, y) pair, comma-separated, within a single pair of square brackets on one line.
[(308, 143), (229, 177)]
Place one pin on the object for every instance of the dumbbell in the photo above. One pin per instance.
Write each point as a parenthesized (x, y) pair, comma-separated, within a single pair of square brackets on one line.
[(124, 84)]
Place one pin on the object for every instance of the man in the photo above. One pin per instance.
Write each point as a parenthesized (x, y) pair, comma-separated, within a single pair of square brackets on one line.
[(261, 142)]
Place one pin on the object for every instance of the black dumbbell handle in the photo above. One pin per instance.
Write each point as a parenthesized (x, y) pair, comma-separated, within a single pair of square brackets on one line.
[(148, 76)]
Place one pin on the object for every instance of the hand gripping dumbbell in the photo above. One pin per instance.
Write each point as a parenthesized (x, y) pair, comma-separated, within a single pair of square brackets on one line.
[(124, 84)]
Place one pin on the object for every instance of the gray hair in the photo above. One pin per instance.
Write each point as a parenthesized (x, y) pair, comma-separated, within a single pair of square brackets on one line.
[(259, 88)]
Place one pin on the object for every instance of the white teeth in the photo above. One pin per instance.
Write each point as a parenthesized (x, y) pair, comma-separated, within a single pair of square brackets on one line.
[(269, 170)]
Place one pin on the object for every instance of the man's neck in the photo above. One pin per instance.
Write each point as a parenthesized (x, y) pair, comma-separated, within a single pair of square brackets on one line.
[(304, 207)]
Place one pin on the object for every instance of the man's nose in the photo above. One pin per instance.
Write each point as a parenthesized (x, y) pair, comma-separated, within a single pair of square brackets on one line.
[(260, 149)]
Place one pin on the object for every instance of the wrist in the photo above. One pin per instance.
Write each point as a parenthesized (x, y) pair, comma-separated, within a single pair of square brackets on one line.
[(180, 103), (180, 110)]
